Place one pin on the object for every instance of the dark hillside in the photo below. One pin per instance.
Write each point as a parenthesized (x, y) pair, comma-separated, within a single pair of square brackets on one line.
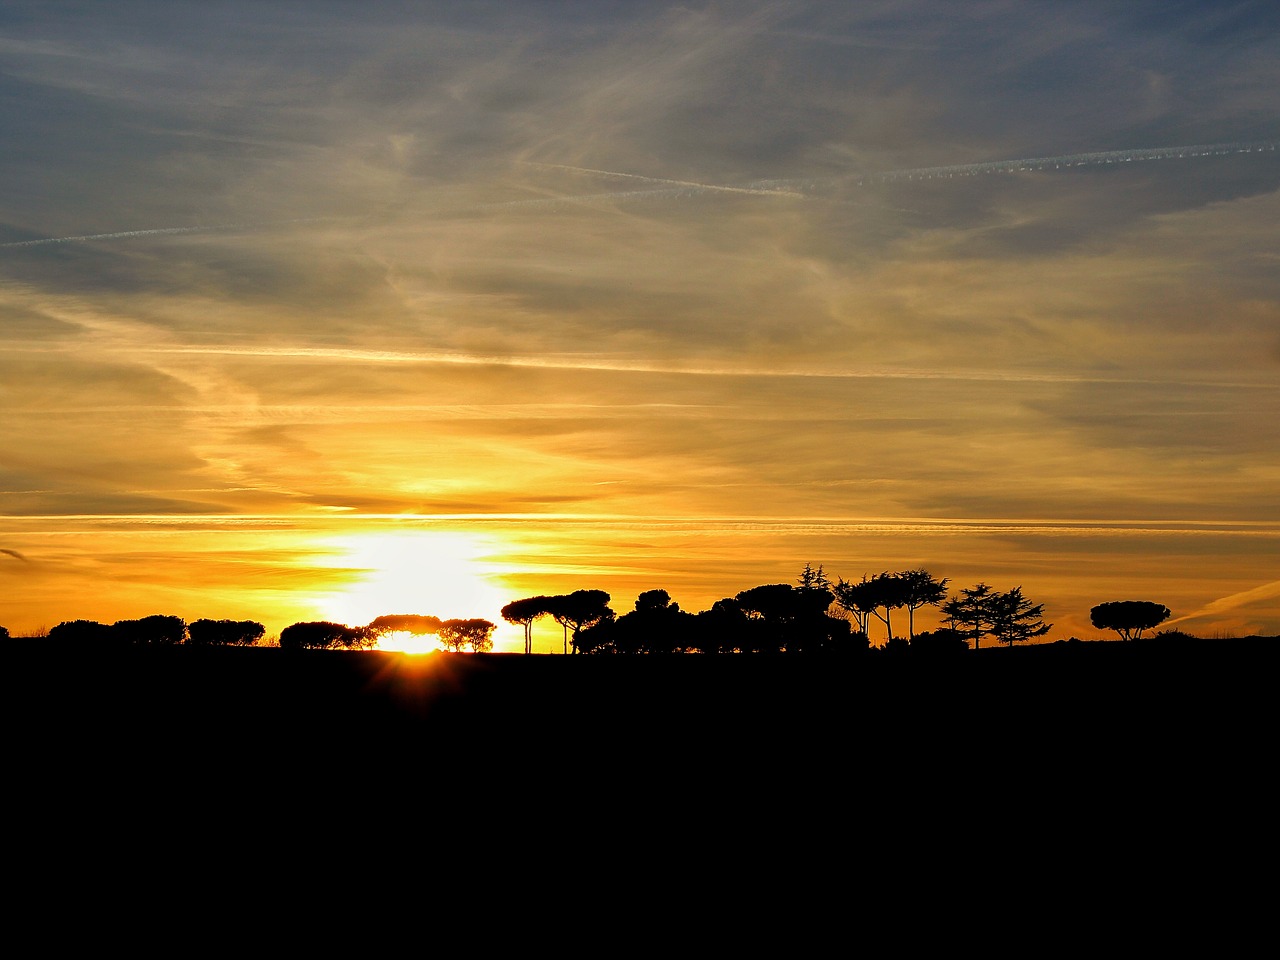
[(1072, 712), (230, 687)]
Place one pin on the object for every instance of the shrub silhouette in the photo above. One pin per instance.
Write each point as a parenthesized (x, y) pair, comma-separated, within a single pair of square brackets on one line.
[(156, 631), (239, 633), (323, 635), (941, 642), (84, 634)]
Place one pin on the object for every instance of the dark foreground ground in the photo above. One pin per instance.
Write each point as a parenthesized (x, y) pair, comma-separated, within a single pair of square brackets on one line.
[(1039, 797), (1106, 709)]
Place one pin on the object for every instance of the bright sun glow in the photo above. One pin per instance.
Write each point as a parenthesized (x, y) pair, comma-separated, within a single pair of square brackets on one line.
[(407, 642), (426, 573)]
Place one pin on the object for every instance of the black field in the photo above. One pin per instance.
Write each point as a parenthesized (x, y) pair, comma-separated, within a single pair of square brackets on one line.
[(1098, 717)]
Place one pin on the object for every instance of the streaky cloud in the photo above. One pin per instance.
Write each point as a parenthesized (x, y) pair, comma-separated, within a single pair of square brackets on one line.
[(562, 362), (1232, 602), (713, 525)]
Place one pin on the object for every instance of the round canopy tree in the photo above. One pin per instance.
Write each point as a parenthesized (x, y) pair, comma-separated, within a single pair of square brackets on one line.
[(579, 610), (1129, 618), (524, 612), (476, 633), (323, 635)]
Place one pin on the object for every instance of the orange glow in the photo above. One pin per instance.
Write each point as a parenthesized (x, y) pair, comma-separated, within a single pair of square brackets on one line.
[(402, 641), (424, 333), (427, 572)]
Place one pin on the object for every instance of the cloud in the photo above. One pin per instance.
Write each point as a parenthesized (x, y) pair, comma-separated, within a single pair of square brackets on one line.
[(401, 313), (1235, 601)]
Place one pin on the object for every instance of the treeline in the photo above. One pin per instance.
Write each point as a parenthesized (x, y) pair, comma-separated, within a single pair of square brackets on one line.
[(166, 631), (814, 615), (159, 631), (473, 634)]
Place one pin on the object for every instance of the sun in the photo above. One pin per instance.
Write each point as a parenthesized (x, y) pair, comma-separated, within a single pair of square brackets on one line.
[(428, 573), (402, 641)]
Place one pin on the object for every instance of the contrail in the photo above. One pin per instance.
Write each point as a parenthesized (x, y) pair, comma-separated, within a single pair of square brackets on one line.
[(804, 186), (618, 196), (667, 188), (161, 231), (112, 236), (1231, 602), (793, 187), (615, 195), (684, 184), (1097, 158)]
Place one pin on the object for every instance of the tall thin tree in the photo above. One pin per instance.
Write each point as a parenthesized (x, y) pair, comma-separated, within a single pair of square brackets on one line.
[(524, 612), (919, 589)]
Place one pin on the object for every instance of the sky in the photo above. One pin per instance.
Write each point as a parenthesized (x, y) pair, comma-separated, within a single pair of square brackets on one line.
[(335, 310)]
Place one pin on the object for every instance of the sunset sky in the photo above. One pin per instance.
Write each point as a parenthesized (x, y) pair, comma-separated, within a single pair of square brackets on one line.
[(333, 310)]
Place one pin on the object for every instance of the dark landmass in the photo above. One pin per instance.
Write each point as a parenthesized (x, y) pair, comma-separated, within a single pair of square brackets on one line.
[(1082, 706)]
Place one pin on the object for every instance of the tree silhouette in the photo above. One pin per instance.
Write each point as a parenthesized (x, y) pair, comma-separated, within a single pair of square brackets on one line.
[(791, 618), (889, 591), (769, 601), (84, 634), (811, 579), (323, 635), (722, 628), (155, 631), (653, 600), (656, 625), (476, 633), (919, 589), (938, 643), (412, 623), (242, 633), (524, 612), (1014, 618), (579, 610), (771, 606), (557, 608), (586, 608), (859, 599), (971, 612), (4, 633), (1129, 618)]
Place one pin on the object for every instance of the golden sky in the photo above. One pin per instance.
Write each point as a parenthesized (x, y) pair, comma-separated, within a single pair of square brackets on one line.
[(328, 311)]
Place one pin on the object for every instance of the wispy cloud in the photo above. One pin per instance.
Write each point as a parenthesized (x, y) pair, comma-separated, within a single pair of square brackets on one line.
[(1235, 601), (773, 273)]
